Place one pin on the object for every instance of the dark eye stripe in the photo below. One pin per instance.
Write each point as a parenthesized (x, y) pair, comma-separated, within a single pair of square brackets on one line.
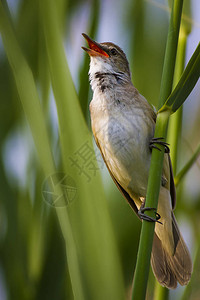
[(113, 51)]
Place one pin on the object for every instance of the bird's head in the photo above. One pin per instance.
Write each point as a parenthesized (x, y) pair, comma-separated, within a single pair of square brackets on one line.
[(106, 58)]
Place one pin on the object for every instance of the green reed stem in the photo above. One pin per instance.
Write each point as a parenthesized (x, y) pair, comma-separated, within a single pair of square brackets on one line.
[(155, 173)]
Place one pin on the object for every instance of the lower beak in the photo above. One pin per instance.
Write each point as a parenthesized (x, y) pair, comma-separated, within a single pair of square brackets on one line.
[(95, 49)]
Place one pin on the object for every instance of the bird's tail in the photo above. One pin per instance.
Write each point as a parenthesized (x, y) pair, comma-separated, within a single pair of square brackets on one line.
[(170, 268)]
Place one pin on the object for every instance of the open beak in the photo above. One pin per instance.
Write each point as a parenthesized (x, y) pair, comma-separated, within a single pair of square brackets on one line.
[(95, 49)]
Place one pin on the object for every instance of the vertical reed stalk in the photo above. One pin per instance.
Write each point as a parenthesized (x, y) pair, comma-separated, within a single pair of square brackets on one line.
[(147, 232)]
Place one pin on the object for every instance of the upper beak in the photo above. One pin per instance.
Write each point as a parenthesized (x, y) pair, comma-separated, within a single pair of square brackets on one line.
[(95, 49)]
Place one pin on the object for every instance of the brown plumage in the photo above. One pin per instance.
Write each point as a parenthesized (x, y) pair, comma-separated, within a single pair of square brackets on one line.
[(123, 125)]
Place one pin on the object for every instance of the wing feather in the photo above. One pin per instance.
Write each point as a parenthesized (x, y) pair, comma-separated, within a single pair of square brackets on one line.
[(121, 189)]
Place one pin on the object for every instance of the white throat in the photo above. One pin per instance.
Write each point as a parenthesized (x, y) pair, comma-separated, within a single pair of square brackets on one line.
[(99, 65)]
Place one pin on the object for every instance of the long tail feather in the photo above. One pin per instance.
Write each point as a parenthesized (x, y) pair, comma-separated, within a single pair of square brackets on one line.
[(170, 269)]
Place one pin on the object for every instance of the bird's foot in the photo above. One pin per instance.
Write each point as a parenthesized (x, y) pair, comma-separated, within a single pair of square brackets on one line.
[(159, 141), (145, 217)]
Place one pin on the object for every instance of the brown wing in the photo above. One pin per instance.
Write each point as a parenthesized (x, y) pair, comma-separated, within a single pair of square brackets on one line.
[(121, 189), (170, 269)]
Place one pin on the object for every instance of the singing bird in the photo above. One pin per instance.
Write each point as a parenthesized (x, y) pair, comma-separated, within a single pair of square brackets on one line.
[(123, 125)]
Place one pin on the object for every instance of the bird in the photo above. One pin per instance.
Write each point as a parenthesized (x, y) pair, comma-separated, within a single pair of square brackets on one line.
[(123, 125)]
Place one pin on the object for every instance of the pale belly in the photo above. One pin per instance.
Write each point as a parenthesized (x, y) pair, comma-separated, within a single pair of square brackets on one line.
[(124, 143)]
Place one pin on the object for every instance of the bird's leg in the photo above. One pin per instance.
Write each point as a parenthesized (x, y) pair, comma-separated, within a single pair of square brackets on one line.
[(158, 141), (145, 217)]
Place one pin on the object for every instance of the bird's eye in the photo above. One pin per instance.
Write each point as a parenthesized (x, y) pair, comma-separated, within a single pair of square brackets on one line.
[(113, 51)]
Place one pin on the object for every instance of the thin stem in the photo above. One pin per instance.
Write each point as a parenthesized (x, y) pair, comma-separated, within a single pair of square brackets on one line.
[(188, 165), (161, 293), (174, 134), (174, 131), (147, 232), (170, 54)]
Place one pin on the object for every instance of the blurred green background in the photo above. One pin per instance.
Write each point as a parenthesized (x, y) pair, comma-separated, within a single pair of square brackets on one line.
[(93, 254)]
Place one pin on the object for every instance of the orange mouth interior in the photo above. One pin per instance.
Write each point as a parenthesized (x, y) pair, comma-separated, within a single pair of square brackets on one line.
[(95, 48)]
